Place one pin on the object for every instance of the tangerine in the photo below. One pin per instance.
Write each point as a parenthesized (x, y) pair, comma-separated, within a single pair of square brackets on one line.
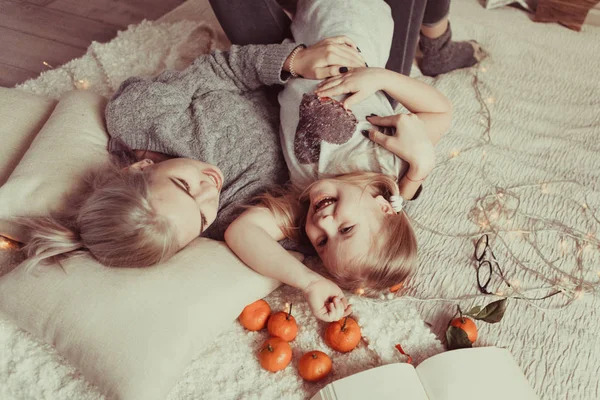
[(254, 316), (467, 325), (275, 354), (314, 366), (343, 335), (282, 324)]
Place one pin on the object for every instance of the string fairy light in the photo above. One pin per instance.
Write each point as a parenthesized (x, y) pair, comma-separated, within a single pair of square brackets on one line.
[(498, 212), (8, 244), (81, 84)]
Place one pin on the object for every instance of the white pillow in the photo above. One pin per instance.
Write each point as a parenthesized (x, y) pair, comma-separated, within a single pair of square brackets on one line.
[(72, 141), (22, 115), (132, 332)]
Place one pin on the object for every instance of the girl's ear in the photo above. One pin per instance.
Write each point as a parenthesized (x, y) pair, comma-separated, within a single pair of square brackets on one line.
[(140, 165), (385, 205)]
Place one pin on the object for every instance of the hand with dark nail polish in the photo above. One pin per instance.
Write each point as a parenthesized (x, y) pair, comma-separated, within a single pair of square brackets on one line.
[(365, 133), (343, 70)]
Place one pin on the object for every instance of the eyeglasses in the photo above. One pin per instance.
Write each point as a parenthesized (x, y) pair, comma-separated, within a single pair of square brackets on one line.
[(487, 264)]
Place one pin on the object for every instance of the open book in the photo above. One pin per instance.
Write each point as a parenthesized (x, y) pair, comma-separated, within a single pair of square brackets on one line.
[(487, 373)]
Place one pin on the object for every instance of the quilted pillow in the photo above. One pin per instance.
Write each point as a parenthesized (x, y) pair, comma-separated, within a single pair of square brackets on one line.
[(22, 115), (72, 141)]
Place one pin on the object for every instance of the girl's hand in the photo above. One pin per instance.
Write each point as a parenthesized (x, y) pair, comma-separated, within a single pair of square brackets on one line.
[(325, 58), (409, 142), (363, 82), (326, 300)]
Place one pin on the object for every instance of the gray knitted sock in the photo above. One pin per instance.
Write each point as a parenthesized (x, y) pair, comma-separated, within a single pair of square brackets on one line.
[(441, 55)]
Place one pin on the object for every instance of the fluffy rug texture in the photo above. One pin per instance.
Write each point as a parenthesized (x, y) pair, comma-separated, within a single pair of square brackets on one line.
[(520, 163)]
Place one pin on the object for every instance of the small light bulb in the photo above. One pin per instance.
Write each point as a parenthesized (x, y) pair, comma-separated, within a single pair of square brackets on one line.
[(455, 153), (7, 244), (490, 100), (585, 206), (544, 188), (360, 291), (483, 69), (82, 84)]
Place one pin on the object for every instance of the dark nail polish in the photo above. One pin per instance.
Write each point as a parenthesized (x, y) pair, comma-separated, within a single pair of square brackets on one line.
[(357, 48), (365, 133), (343, 70), (373, 115)]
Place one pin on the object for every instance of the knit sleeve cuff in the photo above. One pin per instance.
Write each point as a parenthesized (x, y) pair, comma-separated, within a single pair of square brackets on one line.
[(124, 146), (270, 66)]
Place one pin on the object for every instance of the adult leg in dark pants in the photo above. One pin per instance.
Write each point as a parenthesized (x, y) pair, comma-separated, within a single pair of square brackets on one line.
[(252, 21), (426, 22), (408, 17)]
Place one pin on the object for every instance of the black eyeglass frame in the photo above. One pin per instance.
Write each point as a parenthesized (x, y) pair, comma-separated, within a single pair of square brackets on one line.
[(489, 264)]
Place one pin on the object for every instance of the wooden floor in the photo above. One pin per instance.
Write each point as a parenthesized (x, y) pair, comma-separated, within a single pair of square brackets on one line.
[(56, 31)]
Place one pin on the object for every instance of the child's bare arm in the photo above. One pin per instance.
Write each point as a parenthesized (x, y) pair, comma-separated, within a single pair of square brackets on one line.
[(253, 238)]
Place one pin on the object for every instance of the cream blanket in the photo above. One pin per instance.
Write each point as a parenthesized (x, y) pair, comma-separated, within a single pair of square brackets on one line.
[(521, 163)]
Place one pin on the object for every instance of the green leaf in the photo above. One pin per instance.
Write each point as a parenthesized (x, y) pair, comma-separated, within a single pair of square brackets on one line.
[(457, 338), (473, 310), (491, 313)]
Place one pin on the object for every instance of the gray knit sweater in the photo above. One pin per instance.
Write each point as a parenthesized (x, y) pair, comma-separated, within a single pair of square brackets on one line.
[(217, 111)]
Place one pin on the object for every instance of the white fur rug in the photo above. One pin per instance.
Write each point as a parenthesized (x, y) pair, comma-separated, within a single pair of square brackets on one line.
[(538, 93)]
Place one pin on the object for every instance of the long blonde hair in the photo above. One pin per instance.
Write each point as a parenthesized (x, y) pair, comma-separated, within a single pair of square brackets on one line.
[(111, 218), (393, 254)]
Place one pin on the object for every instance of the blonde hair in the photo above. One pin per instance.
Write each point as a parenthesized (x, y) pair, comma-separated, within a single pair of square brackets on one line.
[(393, 254), (111, 217)]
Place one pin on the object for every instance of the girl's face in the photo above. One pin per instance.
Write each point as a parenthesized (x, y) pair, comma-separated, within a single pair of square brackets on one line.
[(343, 221), (186, 192)]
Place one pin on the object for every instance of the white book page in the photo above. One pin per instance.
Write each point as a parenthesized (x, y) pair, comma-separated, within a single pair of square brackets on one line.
[(388, 382), (487, 373)]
